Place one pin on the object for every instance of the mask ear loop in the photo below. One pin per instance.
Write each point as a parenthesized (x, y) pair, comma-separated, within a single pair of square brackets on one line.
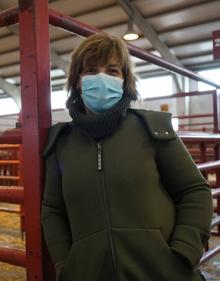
[(126, 92), (129, 93), (77, 101)]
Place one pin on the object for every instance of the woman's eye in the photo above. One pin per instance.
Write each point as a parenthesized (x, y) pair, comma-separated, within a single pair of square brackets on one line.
[(91, 70), (114, 72)]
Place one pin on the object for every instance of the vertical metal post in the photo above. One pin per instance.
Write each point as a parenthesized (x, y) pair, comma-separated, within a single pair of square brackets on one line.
[(218, 204), (21, 183), (203, 157), (217, 148), (217, 157), (215, 111), (36, 118)]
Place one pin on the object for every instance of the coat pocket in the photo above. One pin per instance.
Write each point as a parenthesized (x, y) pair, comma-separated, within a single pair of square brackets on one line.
[(143, 254), (89, 259)]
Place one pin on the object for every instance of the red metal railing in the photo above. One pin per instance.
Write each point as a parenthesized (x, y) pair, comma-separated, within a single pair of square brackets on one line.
[(215, 100), (9, 17), (13, 139), (11, 194), (9, 164), (14, 195), (213, 166), (34, 20), (13, 256)]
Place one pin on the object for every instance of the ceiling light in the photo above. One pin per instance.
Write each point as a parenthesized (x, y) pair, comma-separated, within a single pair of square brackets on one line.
[(130, 34)]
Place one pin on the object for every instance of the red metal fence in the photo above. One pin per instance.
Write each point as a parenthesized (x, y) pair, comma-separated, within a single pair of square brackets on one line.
[(214, 114), (213, 167), (11, 174), (9, 163)]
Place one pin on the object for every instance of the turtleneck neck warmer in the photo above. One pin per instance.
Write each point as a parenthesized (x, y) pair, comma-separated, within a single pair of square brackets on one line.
[(101, 125)]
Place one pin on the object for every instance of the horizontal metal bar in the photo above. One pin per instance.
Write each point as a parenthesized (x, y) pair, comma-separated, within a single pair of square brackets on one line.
[(72, 25), (208, 165), (9, 210), (215, 221), (216, 210), (13, 256), (193, 116), (214, 233), (68, 23), (9, 146), (9, 17), (195, 124), (142, 54), (192, 137), (216, 193), (9, 162), (11, 139), (198, 130), (12, 194), (209, 254), (198, 153), (14, 178), (181, 95)]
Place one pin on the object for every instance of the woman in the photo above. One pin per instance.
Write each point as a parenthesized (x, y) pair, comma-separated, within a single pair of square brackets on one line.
[(123, 199)]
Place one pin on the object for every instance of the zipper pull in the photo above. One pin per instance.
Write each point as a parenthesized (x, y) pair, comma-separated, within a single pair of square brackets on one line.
[(99, 156)]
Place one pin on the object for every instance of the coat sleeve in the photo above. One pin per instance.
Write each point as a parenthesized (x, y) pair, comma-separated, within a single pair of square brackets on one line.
[(191, 195), (54, 218)]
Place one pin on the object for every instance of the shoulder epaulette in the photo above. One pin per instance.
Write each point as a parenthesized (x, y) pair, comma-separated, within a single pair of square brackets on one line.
[(54, 133), (158, 123)]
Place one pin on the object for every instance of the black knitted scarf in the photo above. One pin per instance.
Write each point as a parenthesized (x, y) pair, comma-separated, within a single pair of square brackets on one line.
[(101, 125)]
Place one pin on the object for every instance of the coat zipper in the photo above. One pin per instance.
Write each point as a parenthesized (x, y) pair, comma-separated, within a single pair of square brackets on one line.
[(100, 169)]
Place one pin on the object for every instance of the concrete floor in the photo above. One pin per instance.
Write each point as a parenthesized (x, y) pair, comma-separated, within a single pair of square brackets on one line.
[(10, 237)]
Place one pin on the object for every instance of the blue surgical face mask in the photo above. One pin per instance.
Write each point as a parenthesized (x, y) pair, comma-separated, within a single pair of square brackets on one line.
[(101, 91)]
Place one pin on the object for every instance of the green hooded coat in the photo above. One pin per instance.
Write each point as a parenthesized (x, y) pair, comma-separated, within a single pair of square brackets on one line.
[(133, 207)]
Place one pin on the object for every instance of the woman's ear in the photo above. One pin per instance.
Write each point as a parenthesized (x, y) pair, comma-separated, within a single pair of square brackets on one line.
[(79, 86), (124, 86)]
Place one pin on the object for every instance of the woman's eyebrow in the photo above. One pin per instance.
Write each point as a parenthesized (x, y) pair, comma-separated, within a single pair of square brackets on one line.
[(113, 65), (90, 66)]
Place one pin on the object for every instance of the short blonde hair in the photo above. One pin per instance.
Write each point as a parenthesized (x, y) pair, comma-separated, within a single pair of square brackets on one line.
[(97, 50)]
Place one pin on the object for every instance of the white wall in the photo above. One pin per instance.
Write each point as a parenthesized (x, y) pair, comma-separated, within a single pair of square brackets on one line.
[(155, 105), (184, 106), (200, 105)]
